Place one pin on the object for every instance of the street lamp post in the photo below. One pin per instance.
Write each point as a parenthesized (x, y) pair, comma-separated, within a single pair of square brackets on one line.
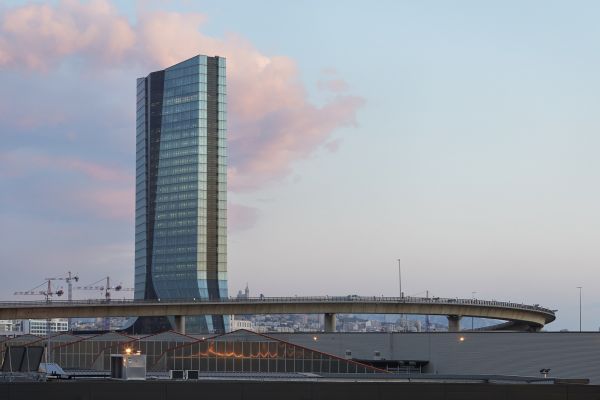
[(400, 277), (400, 288), (472, 319), (579, 287)]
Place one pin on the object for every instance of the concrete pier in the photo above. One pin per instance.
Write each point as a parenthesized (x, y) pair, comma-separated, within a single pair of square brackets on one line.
[(330, 322), (180, 324), (454, 323)]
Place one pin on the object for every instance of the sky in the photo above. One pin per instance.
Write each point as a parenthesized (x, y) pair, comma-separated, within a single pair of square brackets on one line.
[(461, 137)]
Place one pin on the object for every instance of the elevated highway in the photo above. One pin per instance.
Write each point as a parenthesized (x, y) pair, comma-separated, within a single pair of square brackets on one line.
[(517, 316)]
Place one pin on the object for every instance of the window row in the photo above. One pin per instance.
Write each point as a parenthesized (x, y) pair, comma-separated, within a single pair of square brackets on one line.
[(180, 161), (177, 223), (179, 91), (175, 232), (180, 152), (194, 232), (182, 107), (194, 97), (182, 134), (182, 205), (183, 116), (169, 180), (187, 124), (158, 250), (184, 80), (180, 187), (180, 241), (187, 169), (176, 258), (191, 204), (199, 227), (168, 260), (172, 275), (177, 72), (185, 142), (162, 198)]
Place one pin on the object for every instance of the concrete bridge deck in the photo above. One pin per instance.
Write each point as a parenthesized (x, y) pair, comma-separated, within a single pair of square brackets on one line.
[(518, 316)]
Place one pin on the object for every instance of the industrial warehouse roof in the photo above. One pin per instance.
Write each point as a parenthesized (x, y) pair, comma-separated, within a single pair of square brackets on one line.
[(239, 351), (250, 352)]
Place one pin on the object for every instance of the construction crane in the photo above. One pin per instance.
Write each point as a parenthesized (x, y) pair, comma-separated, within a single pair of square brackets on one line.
[(48, 292), (69, 278), (106, 288)]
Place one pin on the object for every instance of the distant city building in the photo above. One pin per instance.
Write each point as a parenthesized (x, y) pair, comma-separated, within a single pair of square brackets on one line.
[(245, 294), (33, 326), (278, 329), (6, 325), (181, 189), (41, 326), (9, 328), (241, 324)]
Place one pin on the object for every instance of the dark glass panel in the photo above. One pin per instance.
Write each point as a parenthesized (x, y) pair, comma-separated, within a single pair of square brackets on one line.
[(335, 366), (289, 365), (246, 364)]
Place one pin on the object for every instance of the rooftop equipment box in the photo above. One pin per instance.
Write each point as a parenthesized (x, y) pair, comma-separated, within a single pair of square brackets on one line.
[(128, 366)]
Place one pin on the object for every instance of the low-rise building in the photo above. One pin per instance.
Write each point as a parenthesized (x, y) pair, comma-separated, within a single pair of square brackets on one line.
[(42, 326), (241, 324), (9, 328)]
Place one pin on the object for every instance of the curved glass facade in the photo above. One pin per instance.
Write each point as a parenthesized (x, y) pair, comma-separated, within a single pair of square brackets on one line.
[(181, 185)]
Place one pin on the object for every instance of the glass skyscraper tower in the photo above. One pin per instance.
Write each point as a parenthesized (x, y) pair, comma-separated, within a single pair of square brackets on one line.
[(181, 188)]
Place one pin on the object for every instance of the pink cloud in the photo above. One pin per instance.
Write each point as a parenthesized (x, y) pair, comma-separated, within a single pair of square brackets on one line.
[(22, 162), (38, 36), (266, 151), (272, 123)]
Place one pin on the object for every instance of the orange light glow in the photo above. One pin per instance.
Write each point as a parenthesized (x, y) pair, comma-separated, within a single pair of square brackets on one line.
[(212, 352)]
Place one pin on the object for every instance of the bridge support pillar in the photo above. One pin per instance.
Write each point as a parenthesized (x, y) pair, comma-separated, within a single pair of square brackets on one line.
[(180, 324), (329, 322), (454, 323)]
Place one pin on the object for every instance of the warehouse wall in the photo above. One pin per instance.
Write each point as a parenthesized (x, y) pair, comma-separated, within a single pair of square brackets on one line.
[(567, 354)]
